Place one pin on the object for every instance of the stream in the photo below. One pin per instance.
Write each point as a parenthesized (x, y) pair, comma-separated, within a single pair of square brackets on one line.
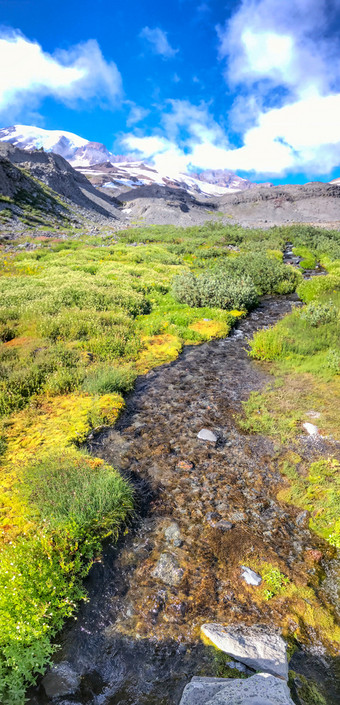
[(201, 507)]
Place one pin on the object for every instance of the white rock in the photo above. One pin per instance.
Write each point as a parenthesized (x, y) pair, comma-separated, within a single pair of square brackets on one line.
[(261, 689), (258, 647), (206, 435), (311, 429), (250, 576)]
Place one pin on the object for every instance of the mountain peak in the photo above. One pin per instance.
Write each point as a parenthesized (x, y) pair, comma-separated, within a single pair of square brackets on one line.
[(114, 171)]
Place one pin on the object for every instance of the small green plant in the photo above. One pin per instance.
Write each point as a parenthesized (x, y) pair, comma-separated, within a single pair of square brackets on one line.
[(274, 580), (333, 360)]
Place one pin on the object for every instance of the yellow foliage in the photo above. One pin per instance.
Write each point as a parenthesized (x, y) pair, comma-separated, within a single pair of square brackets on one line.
[(50, 424), (157, 350), (210, 329), (57, 422)]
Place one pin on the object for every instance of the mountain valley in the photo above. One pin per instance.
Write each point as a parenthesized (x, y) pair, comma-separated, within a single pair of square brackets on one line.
[(169, 379)]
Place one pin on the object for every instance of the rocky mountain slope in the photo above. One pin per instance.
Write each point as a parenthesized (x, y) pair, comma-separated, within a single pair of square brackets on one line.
[(315, 202), (24, 173)]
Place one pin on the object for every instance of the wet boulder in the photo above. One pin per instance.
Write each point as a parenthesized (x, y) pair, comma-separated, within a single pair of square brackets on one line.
[(172, 535), (257, 647), (61, 680)]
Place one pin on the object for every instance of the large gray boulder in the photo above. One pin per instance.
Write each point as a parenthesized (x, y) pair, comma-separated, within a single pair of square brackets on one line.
[(258, 647), (260, 689)]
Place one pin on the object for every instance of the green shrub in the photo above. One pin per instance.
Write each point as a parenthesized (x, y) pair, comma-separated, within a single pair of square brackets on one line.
[(308, 258), (315, 287), (318, 314), (268, 274), (214, 290), (333, 360), (106, 379)]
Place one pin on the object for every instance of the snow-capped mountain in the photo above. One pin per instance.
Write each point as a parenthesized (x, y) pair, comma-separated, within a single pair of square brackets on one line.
[(118, 172), (29, 137)]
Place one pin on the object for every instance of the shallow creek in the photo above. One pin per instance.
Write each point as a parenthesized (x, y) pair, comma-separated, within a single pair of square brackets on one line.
[(206, 507)]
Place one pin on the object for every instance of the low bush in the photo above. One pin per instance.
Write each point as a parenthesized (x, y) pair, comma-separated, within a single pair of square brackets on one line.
[(318, 314), (215, 290), (268, 274), (308, 258)]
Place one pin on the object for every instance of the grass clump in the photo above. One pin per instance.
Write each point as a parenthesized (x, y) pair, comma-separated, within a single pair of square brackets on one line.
[(319, 494), (105, 379), (75, 501), (307, 340)]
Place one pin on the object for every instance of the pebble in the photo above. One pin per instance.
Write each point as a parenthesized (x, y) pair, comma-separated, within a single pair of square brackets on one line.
[(311, 429), (250, 576), (185, 465), (206, 435)]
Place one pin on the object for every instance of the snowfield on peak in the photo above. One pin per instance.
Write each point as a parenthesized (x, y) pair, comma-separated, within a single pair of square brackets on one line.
[(29, 137)]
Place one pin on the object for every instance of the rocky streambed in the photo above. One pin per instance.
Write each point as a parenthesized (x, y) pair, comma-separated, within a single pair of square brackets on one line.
[(206, 502)]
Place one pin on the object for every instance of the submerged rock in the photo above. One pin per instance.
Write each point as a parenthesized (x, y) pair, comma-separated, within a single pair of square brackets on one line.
[(250, 576), (206, 435), (168, 569), (256, 647), (172, 534), (61, 680)]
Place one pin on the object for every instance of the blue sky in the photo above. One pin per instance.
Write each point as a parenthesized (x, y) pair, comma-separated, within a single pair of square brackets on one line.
[(248, 85)]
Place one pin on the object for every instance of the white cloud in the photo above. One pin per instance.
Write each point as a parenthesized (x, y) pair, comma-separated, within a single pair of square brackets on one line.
[(159, 42), (137, 113), (281, 60), (302, 135), (78, 74), (280, 43), (284, 53)]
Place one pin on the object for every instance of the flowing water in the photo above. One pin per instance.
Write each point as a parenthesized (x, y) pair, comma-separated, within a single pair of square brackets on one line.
[(201, 507)]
